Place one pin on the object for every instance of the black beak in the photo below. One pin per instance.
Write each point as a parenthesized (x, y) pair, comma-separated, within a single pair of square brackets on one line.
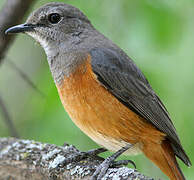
[(20, 28)]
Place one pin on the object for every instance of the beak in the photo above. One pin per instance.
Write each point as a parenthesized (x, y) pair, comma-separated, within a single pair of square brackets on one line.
[(20, 28)]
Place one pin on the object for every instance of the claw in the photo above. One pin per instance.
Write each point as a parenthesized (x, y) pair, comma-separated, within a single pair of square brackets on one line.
[(110, 161), (122, 162), (101, 169)]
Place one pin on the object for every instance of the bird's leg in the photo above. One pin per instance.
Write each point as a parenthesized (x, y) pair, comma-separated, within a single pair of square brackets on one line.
[(110, 161), (82, 155)]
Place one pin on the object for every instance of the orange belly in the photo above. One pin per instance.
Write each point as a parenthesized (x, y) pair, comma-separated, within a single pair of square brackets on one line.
[(101, 116)]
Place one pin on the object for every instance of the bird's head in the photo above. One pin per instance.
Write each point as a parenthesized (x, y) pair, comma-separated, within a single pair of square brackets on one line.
[(54, 24)]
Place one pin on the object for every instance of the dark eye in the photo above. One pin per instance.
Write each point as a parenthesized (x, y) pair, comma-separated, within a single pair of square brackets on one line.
[(54, 18)]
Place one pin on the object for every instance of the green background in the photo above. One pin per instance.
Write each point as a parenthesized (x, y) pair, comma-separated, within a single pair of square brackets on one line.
[(157, 34)]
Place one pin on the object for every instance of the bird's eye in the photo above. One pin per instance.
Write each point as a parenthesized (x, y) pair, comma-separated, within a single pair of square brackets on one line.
[(54, 18)]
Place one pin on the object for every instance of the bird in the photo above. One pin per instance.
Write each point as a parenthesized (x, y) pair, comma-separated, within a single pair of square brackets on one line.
[(103, 91)]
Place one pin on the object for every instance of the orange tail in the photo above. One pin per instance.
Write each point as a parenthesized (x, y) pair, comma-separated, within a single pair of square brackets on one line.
[(163, 156)]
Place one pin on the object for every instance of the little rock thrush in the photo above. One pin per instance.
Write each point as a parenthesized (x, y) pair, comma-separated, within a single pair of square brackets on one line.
[(103, 91)]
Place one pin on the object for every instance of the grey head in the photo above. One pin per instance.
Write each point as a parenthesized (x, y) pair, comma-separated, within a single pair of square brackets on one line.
[(60, 29), (54, 23)]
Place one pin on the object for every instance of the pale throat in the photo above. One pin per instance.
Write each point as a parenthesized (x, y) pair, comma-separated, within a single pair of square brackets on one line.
[(62, 57), (52, 53), (49, 47)]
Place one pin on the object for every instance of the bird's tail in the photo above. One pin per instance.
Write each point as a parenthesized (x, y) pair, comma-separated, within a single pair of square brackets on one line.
[(163, 156)]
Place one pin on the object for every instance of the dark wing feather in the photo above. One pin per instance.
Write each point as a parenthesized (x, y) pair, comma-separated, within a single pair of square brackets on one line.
[(117, 72)]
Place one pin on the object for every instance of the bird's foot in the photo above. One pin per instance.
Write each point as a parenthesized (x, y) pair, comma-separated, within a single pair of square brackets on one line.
[(110, 162), (83, 155)]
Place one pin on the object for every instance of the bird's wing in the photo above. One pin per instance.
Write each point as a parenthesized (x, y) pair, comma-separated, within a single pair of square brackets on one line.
[(120, 76)]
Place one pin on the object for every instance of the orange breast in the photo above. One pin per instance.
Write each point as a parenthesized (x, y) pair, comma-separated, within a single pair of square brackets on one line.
[(100, 115)]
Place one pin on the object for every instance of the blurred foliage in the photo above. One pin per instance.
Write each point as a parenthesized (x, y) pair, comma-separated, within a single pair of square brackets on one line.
[(156, 34)]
